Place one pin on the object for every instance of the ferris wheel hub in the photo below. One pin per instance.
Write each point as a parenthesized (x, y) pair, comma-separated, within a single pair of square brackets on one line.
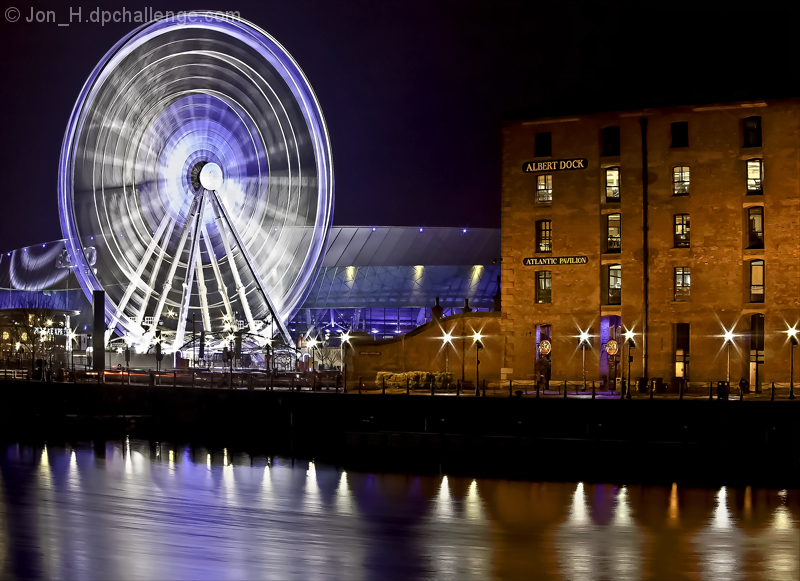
[(211, 176)]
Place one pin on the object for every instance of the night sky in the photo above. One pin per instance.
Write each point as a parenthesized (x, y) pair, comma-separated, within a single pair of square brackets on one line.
[(414, 93)]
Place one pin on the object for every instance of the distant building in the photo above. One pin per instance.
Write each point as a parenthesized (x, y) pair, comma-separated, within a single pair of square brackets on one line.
[(709, 241)]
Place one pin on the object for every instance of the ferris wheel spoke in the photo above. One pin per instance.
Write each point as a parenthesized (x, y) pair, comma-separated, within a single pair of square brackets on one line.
[(212, 258), (240, 289), (186, 295), (201, 288), (222, 213), (172, 269), (148, 291), (136, 279)]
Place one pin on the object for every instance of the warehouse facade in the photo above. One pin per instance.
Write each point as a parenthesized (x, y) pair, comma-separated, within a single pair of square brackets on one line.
[(676, 224)]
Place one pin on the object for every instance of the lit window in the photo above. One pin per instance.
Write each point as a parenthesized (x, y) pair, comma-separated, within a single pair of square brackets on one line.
[(5, 335), (24, 336), (755, 227), (544, 236), (615, 284), (543, 286), (682, 283), (612, 184), (682, 238), (681, 332), (756, 281), (614, 233), (544, 189), (752, 131), (680, 181), (755, 174)]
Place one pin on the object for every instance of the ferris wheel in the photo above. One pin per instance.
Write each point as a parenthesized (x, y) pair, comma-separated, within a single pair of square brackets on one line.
[(196, 178)]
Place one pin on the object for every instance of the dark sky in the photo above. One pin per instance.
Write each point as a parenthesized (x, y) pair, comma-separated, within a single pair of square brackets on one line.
[(414, 92)]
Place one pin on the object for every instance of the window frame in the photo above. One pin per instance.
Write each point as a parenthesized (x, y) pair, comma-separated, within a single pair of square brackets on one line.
[(680, 134), (549, 194), (755, 132), (681, 231), (544, 236), (618, 197), (610, 141), (540, 143), (759, 190), (682, 283), (754, 240), (610, 247), (756, 297), (614, 293), (544, 287), (683, 177)]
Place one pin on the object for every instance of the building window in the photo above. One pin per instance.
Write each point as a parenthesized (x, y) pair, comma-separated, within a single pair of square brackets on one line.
[(752, 132), (544, 236), (682, 238), (756, 281), (755, 174), (544, 281), (680, 181), (680, 134), (682, 350), (682, 283), (755, 227), (611, 142), (615, 284), (544, 189), (543, 145), (612, 184), (614, 233)]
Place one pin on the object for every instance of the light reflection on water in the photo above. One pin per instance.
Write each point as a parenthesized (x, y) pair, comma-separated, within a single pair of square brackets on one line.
[(131, 511)]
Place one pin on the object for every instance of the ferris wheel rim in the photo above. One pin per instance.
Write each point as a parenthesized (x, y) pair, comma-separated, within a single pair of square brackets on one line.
[(275, 54)]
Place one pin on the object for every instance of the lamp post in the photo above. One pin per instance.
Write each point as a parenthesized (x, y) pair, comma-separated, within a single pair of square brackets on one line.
[(311, 344), (478, 347), (345, 341), (447, 339), (584, 340), (631, 345), (463, 353), (728, 341), (793, 341)]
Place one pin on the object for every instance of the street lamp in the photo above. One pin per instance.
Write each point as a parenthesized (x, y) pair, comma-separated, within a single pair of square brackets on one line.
[(728, 337), (793, 341), (345, 340), (631, 345), (447, 339), (583, 341), (311, 344), (478, 346)]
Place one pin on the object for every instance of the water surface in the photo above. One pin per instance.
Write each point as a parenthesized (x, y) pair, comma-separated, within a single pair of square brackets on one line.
[(141, 510)]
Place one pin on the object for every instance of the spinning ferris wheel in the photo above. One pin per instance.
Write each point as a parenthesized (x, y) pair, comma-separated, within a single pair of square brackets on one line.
[(196, 177)]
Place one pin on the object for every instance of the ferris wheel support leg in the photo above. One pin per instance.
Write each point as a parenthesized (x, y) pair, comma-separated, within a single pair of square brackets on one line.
[(186, 295), (217, 275), (201, 287), (171, 274), (240, 289), (136, 279), (152, 281)]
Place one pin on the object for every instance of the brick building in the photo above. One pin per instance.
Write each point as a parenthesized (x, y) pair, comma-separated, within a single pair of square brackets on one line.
[(676, 223)]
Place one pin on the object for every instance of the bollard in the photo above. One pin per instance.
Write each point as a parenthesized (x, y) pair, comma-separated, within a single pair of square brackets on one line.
[(593, 389), (174, 379), (710, 390), (313, 383), (407, 386), (344, 381), (383, 385), (484, 388), (537, 390), (510, 388), (152, 377), (291, 388), (271, 379), (250, 382), (741, 392), (359, 385), (565, 389), (433, 386), (652, 387), (129, 376), (772, 398), (458, 387), (680, 388)]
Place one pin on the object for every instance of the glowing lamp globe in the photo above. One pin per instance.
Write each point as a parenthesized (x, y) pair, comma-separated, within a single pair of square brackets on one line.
[(211, 176)]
